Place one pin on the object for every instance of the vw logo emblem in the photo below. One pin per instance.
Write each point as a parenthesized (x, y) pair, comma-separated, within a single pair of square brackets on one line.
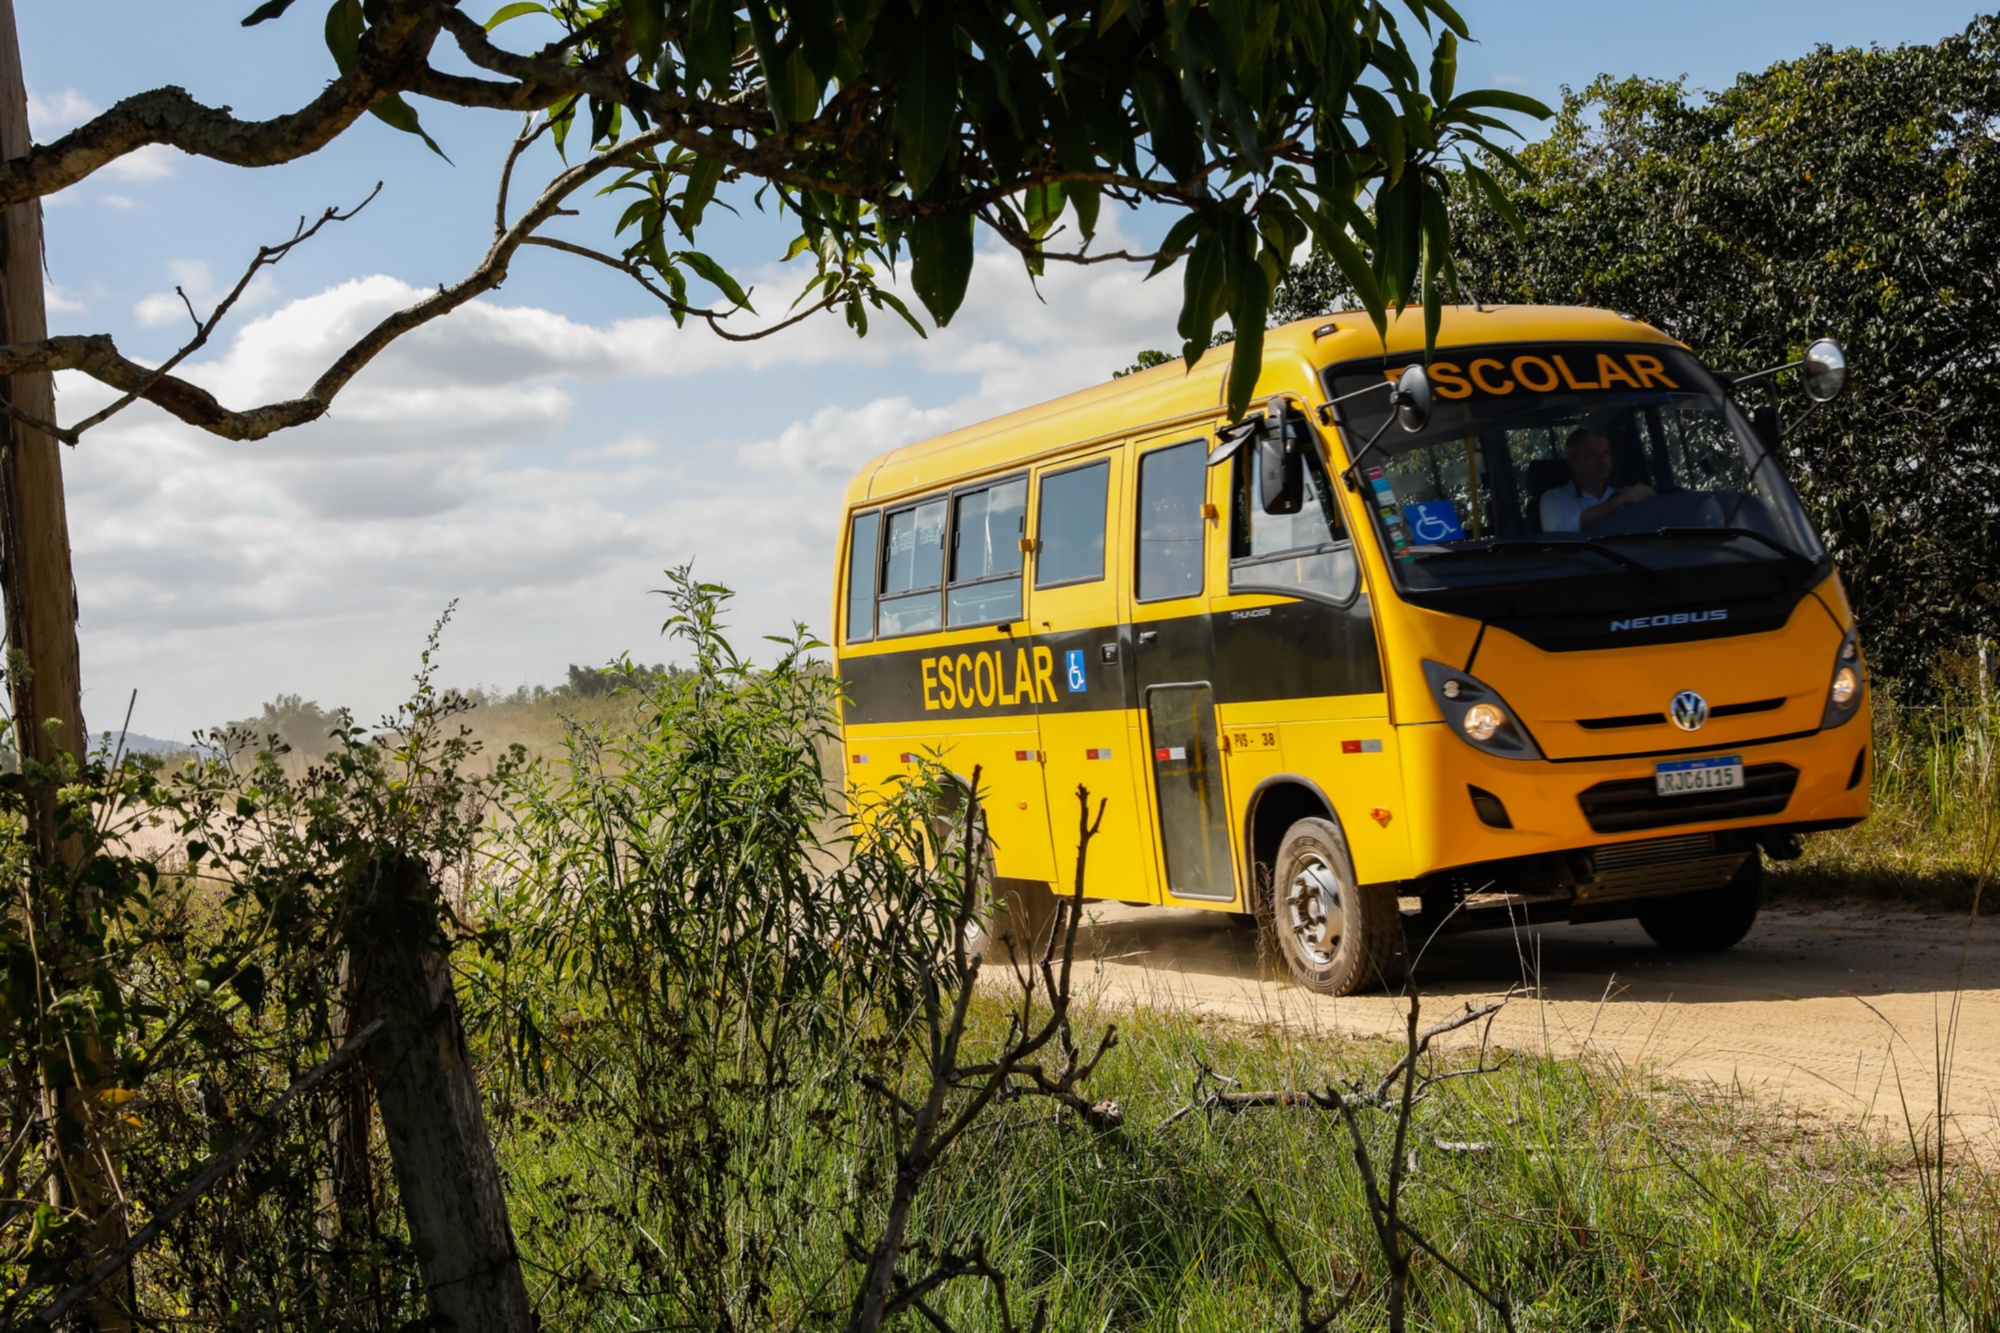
[(1688, 710)]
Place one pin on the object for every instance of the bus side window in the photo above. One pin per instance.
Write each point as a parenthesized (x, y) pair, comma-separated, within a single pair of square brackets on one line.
[(986, 530), (912, 569), (1303, 552), (1172, 486), (1069, 527), (1256, 533), (861, 576)]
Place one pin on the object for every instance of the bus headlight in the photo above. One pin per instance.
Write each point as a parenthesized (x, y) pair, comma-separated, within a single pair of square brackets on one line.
[(1850, 681), (1479, 715), (1482, 720)]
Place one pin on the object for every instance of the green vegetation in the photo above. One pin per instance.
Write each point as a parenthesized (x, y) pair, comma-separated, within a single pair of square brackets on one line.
[(700, 1041), (1934, 831), (1597, 1198), (1845, 193)]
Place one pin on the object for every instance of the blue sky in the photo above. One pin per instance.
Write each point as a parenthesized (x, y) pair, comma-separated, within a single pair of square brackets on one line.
[(542, 456)]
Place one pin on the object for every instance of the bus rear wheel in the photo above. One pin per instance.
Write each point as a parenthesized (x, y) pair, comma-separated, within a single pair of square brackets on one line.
[(1712, 921), (1336, 936), (1014, 926)]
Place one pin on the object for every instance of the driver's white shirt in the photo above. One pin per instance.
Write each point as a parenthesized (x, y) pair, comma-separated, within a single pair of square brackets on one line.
[(1562, 508)]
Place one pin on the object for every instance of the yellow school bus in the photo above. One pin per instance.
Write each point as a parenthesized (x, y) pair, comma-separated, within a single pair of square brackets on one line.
[(1533, 629)]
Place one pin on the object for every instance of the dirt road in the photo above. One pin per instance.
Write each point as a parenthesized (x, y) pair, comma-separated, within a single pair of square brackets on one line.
[(1827, 1006)]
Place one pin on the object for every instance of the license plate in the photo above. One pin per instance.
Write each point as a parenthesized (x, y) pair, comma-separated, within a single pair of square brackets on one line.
[(1682, 777)]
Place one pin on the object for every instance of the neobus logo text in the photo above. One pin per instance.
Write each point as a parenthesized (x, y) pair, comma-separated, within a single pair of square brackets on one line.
[(1677, 618), (982, 679)]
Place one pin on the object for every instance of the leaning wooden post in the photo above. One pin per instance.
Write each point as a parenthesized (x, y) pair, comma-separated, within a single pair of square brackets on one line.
[(422, 1071)]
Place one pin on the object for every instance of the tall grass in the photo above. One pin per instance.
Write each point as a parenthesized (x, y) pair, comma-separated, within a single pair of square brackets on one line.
[(1934, 830), (1597, 1196)]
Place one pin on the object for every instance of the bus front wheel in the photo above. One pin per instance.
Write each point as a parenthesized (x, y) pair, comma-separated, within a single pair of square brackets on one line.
[(1336, 936), (1711, 921)]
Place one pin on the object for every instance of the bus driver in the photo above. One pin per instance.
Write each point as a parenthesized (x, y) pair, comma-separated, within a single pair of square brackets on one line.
[(1587, 498)]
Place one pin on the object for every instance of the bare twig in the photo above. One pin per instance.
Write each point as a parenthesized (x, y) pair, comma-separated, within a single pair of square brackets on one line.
[(928, 1127)]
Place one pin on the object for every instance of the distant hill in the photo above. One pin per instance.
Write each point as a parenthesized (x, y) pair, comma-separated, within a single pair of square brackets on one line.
[(138, 744)]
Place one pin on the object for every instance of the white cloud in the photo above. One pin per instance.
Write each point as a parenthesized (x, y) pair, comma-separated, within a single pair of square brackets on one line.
[(122, 203), (519, 460), (196, 277), (152, 162), (50, 115), (62, 301)]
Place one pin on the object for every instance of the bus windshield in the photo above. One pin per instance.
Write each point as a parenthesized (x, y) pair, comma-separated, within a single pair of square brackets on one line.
[(1551, 461)]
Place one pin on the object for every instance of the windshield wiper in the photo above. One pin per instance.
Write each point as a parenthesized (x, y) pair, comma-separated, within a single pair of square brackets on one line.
[(1639, 567), (1800, 558)]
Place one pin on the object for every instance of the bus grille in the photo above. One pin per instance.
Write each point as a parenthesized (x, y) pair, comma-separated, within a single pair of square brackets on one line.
[(1688, 864), (1632, 803)]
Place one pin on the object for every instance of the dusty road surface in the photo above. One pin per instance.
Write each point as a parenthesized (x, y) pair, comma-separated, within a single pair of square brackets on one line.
[(1826, 1006)]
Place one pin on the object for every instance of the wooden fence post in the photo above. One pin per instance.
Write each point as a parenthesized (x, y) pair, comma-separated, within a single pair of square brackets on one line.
[(422, 1071)]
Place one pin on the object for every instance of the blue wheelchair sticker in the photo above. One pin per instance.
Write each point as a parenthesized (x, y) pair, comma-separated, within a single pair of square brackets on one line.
[(1433, 521), (1073, 661)]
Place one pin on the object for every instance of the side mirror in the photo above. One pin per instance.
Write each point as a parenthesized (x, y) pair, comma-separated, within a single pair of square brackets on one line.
[(1413, 399), (1281, 471), (1824, 371)]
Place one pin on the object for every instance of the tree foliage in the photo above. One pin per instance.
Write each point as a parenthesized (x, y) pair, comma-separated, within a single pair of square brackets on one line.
[(881, 132), (1847, 194)]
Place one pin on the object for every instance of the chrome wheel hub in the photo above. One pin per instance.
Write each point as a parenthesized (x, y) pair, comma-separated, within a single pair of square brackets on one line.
[(1313, 912)]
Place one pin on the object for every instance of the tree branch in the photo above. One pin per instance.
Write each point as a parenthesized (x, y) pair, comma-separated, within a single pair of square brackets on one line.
[(98, 356), (391, 51)]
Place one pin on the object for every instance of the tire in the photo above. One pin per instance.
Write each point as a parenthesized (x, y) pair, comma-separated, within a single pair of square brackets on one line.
[(1712, 921), (1014, 927), (1336, 937)]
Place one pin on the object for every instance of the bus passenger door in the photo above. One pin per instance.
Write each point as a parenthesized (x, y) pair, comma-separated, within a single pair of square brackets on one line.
[(1173, 672), (1074, 611)]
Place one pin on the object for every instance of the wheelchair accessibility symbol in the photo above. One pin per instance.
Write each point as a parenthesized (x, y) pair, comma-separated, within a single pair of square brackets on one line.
[(1433, 521), (1073, 665)]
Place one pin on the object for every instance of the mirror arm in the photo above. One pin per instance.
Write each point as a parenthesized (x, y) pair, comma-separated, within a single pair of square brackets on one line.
[(1353, 469), (1230, 438), (1734, 380), (1805, 416)]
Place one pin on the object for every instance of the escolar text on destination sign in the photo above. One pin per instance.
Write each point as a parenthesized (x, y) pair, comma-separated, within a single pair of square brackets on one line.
[(1545, 372)]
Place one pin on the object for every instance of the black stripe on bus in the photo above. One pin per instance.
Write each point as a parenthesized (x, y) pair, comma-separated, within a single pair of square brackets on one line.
[(1292, 650)]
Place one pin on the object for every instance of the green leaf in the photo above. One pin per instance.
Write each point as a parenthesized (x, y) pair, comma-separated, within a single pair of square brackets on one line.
[(1353, 266), (1497, 196), (1501, 99), (507, 13), (646, 26), (394, 111), (1175, 241), (1385, 129), (718, 277), (1204, 286), (941, 260), (250, 986), (1444, 68), (1085, 198), (267, 11), (1041, 205), (926, 102), (770, 58), (343, 33), (710, 45), (1250, 304)]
